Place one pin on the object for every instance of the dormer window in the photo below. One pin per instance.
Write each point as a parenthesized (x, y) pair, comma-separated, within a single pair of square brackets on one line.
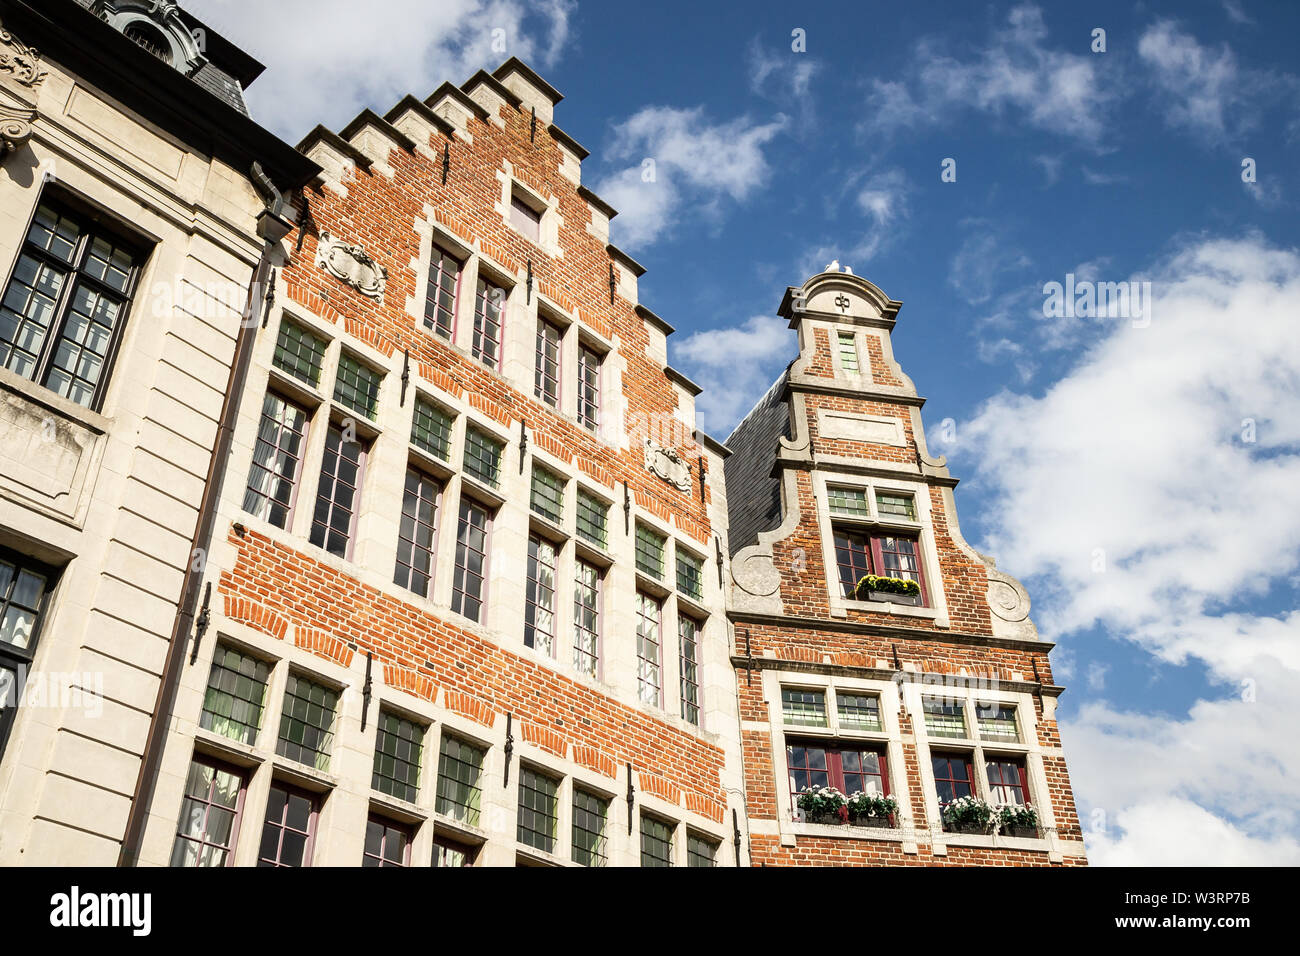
[(524, 217)]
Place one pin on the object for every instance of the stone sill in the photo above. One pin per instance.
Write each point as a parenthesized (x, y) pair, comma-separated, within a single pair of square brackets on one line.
[(889, 607), (846, 831), (44, 397)]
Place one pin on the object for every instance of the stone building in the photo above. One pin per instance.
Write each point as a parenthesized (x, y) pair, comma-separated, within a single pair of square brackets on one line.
[(131, 231), (875, 650), (410, 552)]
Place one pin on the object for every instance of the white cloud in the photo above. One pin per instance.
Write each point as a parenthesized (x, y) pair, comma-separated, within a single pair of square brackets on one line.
[(1204, 90), (735, 365), (1016, 71), (327, 60), (1170, 456), (783, 75), (883, 199), (694, 161), (982, 261), (1179, 833)]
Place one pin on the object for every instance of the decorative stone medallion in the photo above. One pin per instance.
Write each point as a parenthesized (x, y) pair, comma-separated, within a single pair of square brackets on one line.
[(668, 465), (351, 264)]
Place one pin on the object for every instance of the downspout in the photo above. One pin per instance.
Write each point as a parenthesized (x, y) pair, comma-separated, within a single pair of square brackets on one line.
[(272, 228)]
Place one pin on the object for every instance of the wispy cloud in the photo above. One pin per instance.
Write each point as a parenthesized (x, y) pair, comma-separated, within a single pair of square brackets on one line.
[(1014, 72), (882, 200), (1203, 89), (735, 364), (680, 155), (326, 59)]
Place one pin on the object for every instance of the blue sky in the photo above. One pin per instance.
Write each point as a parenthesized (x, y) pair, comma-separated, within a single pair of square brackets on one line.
[(1141, 476)]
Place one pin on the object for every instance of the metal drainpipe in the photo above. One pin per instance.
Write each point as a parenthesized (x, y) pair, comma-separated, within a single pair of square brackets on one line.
[(142, 798)]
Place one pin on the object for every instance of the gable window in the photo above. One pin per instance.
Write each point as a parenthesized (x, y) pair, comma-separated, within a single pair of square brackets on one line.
[(650, 552), (648, 614), (277, 460), (235, 696), (334, 520), (803, 708), (538, 810), (546, 497), (997, 722), (299, 352), (444, 285), (357, 386), (701, 851), (483, 456), (546, 374), (460, 774), (848, 501), (688, 635), (24, 595), (489, 307), (656, 842), (431, 429), (288, 829), (848, 352), (897, 505), (859, 711), (524, 217), (398, 743), (209, 822), (588, 388), (858, 554), (944, 717), (539, 609), (307, 722), (416, 532), (1008, 782), (586, 618), (68, 297), (849, 768), (952, 777), (690, 574), (590, 814), (593, 516), (471, 560), (387, 843)]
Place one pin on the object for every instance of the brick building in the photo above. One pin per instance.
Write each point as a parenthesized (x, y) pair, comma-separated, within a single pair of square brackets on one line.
[(457, 586), (926, 697)]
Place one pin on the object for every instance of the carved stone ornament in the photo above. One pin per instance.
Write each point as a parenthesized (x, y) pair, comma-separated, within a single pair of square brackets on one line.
[(351, 264), (20, 74), (668, 465)]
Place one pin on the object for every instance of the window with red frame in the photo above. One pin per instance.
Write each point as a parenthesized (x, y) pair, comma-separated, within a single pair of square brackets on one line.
[(1008, 782), (858, 553), (952, 777), (848, 769), (288, 829)]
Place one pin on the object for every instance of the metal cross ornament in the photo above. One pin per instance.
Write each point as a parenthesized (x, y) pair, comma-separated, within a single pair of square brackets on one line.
[(842, 301)]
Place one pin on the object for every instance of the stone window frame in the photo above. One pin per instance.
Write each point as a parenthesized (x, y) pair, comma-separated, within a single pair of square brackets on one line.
[(548, 232), (975, 748), (889, 738), (922, 527), (865, 375)]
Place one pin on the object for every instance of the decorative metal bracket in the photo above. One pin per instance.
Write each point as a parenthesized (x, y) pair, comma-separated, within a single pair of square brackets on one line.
[(532, 128), (631, 797), (749, 662), (523, 443), (446, 161), (510, 745), (406, 376), (627, 509), (612, 283), (528, 285), (704, 476), (201, 625), (270, 298), (366, 689), (735, 826), (717, 544), (897, 664)]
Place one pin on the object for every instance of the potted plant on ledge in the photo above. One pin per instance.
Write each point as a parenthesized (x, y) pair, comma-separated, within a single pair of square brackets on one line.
[(967, 815), (823, 805), (874, 587), (1018, 821), (872, 810)]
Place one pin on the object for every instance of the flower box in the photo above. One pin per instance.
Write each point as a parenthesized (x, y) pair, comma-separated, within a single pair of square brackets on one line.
[(911, 600), (981, 829), (874, 587), (877, 823), (1024, 833)]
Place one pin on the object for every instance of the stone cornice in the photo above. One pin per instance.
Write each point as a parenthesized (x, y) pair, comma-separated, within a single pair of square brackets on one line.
[(885, 630)]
